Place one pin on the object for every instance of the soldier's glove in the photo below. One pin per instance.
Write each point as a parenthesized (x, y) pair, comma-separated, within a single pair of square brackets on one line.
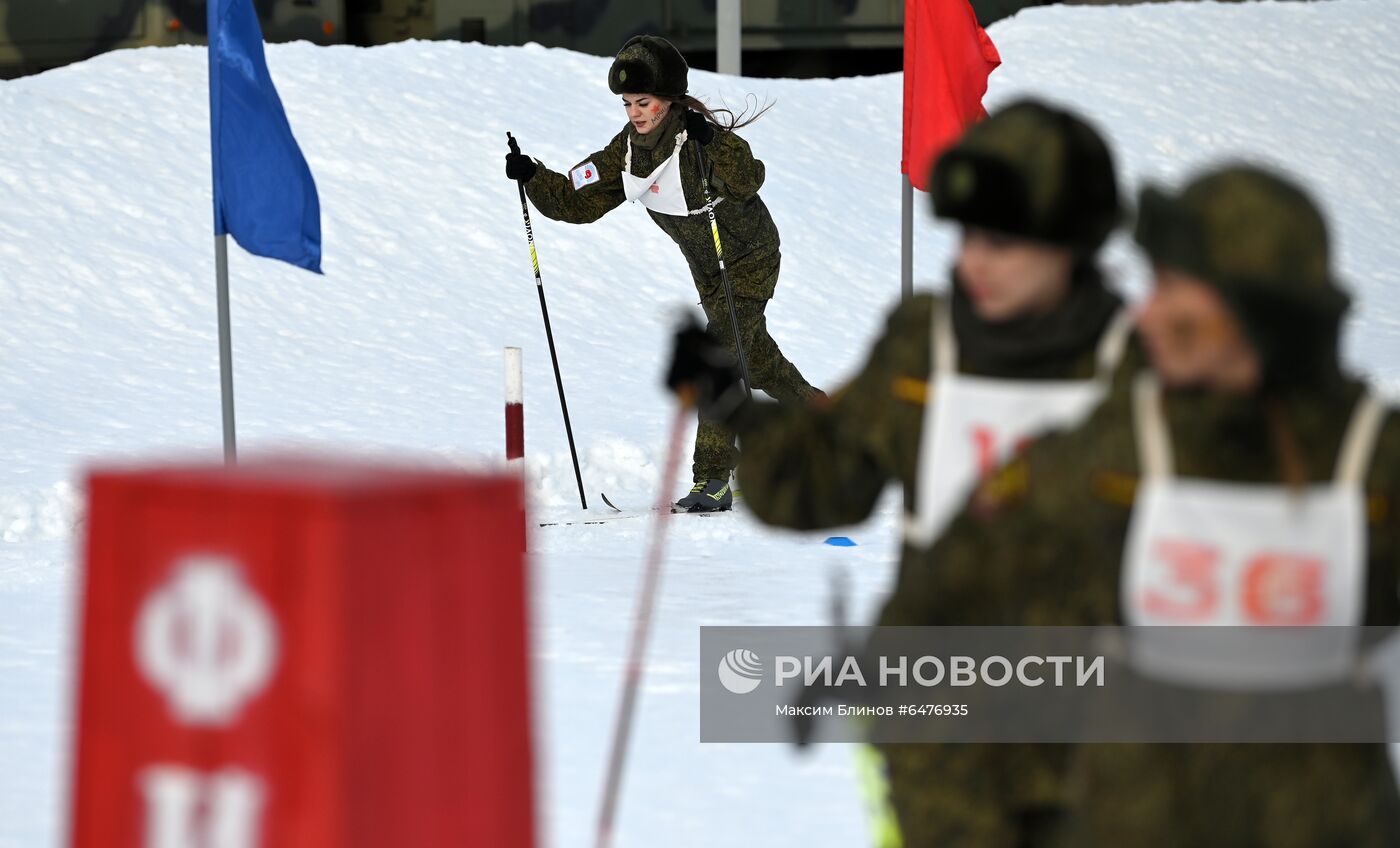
[(805, 712), (817, 694), (519, 166), (698, 128), (702, 366)]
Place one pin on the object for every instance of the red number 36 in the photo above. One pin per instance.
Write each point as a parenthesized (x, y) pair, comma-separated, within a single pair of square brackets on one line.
[(1273, 588)]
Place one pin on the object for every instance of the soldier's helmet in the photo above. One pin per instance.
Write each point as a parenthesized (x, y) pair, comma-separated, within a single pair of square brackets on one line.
[(649, 64), (1263, 243), (1031, 170)]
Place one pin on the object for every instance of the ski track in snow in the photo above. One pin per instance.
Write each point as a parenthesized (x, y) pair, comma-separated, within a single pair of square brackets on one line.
[(108, 341)]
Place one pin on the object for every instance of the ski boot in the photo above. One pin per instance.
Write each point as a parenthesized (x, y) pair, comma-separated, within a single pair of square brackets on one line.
[(707, 496)]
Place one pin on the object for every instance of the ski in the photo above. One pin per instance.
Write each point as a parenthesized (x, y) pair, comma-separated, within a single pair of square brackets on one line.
[(674, 511), (602, 518), (617, 514), (607, 500)]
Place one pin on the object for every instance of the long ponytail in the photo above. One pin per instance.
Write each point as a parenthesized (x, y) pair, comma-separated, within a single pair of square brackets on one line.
[(731, 121)]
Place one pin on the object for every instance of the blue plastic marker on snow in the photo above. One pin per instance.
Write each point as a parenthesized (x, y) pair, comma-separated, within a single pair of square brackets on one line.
[(840, 542)]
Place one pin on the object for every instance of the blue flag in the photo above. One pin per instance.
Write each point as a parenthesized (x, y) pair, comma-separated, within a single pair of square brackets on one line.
[(264, 195)]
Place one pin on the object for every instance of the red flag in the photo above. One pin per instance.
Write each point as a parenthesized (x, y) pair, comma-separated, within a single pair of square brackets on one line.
[(947, 59)]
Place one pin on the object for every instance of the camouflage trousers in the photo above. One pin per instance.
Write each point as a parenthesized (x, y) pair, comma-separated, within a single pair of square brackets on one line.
[(978, 795), (715, 453)]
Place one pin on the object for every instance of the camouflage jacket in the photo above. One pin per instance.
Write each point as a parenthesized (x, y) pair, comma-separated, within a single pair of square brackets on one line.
[(809, 468), (747, 232), (1042, 543), (815, 467)]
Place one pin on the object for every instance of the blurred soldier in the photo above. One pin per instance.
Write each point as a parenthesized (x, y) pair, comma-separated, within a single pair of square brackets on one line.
[(1028, 339), (1243, 333), (1246, 480), (652, 163)]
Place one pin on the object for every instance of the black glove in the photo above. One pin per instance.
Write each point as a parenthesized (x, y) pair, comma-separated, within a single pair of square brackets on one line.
[(817, 694), (804, 720), (699, 363), (698, 128), (519, 166)]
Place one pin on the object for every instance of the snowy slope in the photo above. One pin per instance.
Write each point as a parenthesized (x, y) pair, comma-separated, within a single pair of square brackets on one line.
[(107, 332)]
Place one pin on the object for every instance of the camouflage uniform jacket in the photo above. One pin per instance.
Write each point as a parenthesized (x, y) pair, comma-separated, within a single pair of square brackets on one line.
[(1042, 543), (809, 468), (747, 232), (815, 467)]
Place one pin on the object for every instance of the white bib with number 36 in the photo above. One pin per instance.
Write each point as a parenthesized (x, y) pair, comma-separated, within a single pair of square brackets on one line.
[(973, 425), (1203, 552)]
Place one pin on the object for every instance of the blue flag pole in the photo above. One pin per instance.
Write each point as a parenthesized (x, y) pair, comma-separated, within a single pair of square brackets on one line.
[(264, 194), (221, 249), (225, 348)]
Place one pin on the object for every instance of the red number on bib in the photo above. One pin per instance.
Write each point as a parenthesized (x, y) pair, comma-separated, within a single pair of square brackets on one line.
[(984, 443), (1192, 573), (1283, 589)]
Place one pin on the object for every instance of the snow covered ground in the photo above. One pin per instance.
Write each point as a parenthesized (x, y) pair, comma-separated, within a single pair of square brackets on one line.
[(108, 336)]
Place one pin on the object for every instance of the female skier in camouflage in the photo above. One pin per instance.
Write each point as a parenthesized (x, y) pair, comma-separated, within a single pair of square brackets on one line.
[(651, 162)]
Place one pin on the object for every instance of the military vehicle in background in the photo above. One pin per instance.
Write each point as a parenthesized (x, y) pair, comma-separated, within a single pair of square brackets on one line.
[(601, 26), (39, 34), (781, 37), (794, 38)]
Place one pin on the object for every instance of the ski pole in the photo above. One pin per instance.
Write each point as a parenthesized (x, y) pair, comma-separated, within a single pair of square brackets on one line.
[(641, 627), (723, 275), (548, 331)]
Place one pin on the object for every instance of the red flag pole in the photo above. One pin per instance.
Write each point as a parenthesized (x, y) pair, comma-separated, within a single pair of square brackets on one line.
[(906, 194), (947, 59), (906, 239)]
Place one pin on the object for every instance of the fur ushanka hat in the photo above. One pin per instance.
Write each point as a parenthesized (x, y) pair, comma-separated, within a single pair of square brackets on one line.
[(649, 64), (1263, 243), (1031, 170)]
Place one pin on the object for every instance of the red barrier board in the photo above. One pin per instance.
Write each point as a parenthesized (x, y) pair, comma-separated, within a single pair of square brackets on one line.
[(303, 654)]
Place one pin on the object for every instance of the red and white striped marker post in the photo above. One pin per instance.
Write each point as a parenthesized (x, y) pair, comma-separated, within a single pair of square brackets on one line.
[(515, 406)]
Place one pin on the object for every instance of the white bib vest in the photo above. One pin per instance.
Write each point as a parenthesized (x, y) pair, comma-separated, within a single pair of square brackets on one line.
[(1211, 553), (661, 191), (974, 424)]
